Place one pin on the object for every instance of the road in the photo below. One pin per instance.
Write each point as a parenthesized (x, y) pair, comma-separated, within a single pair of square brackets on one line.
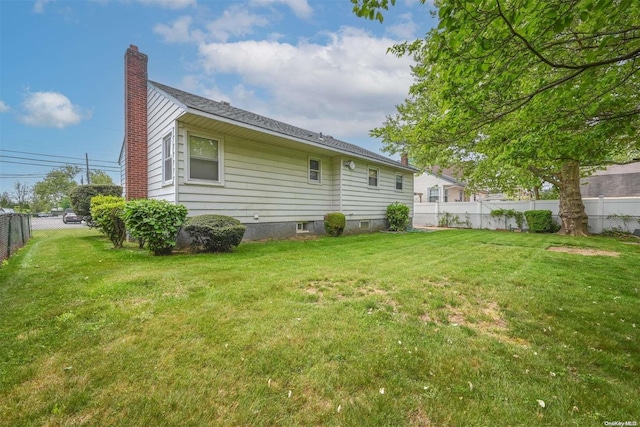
[(51, 223)]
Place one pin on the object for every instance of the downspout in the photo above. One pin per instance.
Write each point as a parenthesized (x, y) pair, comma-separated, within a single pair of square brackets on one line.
[(176, 178)]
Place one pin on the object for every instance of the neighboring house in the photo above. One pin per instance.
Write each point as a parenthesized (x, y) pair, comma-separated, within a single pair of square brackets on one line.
[(277, 179), (439, 186), (615, 181)]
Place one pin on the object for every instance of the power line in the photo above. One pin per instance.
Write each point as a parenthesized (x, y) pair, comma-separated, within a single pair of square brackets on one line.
[(59, 157), (22, 175), (50, 163)]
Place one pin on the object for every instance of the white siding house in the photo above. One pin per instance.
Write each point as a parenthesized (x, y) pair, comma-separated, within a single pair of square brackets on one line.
[(277, 179)]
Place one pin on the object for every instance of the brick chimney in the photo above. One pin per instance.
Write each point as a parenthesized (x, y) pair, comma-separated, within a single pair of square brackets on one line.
[(135, 123), (404, 159)]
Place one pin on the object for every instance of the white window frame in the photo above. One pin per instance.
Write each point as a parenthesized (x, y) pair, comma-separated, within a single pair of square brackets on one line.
[(401, 176), (369, 169), (206, 135), (437, 196), (302, 227), (167, 156), (309, 170)]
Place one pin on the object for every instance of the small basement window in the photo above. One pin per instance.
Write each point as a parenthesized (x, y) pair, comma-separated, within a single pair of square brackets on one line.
[(302, 227), (364, 225)]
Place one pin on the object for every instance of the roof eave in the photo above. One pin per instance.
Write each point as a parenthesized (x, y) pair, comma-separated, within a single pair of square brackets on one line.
[(195, 111)]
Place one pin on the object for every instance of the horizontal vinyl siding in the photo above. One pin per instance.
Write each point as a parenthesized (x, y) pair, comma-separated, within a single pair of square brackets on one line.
[(361, 202), (162, 113), (259, 179)]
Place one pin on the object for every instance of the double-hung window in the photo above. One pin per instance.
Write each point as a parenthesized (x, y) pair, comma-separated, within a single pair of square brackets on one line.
[(399, 181), (315, 171), (167, 159), (204, 159), (374, 174), (434, 194)]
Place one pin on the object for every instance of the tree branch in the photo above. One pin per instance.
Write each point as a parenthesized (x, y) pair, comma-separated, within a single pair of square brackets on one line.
[(633, 54)]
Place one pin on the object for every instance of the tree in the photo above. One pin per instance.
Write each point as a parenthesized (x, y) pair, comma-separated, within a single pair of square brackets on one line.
[(21, 193), (5, 200), (518, 89), (99, 177), (57, 185)]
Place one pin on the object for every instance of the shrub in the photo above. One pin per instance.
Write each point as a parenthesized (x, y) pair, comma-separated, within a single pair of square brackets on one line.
[(334, 223), (106, 213), (81, 197), (540, 221), (156, 222), (214, 233), (398, 216)]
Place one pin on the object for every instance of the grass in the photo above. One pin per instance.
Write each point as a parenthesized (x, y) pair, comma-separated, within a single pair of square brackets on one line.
[(450, 328)]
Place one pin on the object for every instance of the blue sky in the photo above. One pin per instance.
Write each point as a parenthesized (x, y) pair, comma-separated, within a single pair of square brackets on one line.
[(312, 64)]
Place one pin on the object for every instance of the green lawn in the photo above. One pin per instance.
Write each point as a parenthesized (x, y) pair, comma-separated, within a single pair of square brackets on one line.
[(449, 328)]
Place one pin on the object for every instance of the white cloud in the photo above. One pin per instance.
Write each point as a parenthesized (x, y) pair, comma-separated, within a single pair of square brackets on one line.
[(342, 88), (299, 7), (50, 109), (170, 4), (4, 107), (235, 21), (38, 6), (405, 29), (177, 32)]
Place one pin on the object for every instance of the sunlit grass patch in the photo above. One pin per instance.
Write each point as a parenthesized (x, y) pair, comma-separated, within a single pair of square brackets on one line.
[(457, 327)]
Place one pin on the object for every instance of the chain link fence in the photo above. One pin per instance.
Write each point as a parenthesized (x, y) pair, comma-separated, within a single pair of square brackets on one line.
[(15, 232)]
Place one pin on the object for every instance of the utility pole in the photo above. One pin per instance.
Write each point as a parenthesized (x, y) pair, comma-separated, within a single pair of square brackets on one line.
[(86, 157)]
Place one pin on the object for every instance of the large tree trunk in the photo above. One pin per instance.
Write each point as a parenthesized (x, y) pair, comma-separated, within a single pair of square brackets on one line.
[(572, 213)]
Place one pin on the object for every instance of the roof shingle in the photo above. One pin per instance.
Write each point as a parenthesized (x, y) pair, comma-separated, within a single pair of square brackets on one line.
[(227, 111)]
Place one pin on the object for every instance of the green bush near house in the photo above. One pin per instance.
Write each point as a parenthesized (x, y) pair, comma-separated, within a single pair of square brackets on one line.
[(81, 197), (106, 214), (156, 222), (540, 221), (214, 233), (334, 223), (398, 216)]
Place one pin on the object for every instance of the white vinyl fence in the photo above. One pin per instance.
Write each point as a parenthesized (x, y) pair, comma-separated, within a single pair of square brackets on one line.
[(618, 213)]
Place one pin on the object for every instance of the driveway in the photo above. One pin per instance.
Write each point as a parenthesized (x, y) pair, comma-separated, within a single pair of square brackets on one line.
[(51, 223)]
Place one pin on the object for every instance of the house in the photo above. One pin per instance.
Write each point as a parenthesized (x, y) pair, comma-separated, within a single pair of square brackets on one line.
[(439, 186), (614, 181), (277, 179)]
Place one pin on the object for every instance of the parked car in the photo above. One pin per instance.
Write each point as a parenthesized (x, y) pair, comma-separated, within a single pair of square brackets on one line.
[(71, 217)]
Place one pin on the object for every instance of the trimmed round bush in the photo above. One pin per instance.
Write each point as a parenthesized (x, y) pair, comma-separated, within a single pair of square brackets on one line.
[(156, 222), (398, 216), (106, 213), (540, 221), (214, 233), (334, 223), (82, 194)]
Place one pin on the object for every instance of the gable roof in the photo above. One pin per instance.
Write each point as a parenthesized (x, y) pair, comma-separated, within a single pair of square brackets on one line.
[(448, 174), (243, 117)]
